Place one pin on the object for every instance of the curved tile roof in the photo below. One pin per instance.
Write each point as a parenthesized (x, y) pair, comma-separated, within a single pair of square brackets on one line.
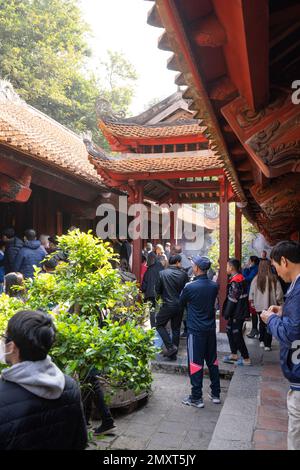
[(163, 130), (27, 130), (204, 160)]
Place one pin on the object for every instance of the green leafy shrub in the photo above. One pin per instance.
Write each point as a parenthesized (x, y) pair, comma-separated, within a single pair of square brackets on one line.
[(120, 353), (115, 342), (87, 282), (8, 307)]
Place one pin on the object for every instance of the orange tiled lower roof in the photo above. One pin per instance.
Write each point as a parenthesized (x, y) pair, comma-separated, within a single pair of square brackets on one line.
[(164, 130), (204, 160), (31, 132)]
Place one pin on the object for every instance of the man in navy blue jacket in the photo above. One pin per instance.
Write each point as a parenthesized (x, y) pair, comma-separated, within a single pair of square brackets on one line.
[(284, 324), (32, 254), (199, 296)]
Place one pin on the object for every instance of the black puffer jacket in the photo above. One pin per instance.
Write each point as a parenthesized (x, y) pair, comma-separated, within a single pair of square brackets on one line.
[(13, 247), (151, 276), (28, 422)]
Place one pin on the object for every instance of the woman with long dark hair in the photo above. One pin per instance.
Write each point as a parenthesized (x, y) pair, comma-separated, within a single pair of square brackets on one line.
[(265, 290)]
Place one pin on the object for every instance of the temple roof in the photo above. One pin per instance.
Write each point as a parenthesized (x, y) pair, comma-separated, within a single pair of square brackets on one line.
[(26, 130), (160, 130), (167, 122), (201, 161)]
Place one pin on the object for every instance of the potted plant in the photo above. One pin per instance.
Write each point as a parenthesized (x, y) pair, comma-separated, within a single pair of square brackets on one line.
[(99, 319)]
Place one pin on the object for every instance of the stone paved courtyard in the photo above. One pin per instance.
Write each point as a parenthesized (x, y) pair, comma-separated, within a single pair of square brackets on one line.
[(164, 423)]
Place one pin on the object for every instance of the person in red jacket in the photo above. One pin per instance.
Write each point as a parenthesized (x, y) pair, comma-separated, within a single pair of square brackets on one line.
[(236, 310)]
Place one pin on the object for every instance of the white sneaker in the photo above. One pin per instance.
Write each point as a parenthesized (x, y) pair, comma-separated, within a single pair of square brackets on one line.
[(268, 349), (261, 344), (215, 400)]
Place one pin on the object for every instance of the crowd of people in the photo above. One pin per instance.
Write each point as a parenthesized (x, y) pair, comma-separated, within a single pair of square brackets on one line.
[(267, 290), (183, 294), (19, 257)]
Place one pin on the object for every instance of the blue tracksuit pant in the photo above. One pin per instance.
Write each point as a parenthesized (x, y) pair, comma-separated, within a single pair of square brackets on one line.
[(202, 346)]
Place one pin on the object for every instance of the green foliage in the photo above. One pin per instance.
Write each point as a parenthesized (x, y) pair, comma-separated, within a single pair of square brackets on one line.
[(118, 80), (44, 54), (8, 307), (153, 102), (87, 282), (249, 235), (120, 352), (121, 349), (41, 292)]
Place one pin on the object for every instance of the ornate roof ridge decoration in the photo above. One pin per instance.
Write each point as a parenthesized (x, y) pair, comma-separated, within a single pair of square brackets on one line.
[(104, 111), (92, 149), (8, 93)]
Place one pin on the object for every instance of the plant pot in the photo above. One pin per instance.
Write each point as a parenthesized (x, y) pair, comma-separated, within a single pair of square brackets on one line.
[(120, 397)]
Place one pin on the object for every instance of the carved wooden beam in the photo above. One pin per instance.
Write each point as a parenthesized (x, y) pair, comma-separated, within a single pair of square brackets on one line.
[(271, 136), (279, 199)]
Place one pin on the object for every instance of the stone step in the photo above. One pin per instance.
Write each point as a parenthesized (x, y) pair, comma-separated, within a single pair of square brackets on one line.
[(180, 366)]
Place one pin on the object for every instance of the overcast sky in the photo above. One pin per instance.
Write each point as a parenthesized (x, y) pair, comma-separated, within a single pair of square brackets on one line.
[(121, 25)]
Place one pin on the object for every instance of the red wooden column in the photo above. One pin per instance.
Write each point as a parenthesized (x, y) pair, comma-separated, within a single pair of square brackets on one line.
[(224, 246), (238, 233), (136, 196)]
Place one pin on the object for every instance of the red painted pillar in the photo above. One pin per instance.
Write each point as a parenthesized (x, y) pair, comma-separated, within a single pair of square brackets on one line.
[(224, 247), (238, 233), (137, 245)]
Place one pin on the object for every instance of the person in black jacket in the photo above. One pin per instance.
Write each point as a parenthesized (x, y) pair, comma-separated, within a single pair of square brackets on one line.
[(13, 246), (170, 283), (236, 310), (125, 250), (40, 407), (149, 283)]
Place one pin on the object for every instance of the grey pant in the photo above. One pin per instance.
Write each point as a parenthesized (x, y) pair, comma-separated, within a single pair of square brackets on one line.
[(293, 405)]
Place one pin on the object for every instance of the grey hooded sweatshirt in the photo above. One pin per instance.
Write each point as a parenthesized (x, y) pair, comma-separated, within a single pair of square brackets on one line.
[(42, 378)]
